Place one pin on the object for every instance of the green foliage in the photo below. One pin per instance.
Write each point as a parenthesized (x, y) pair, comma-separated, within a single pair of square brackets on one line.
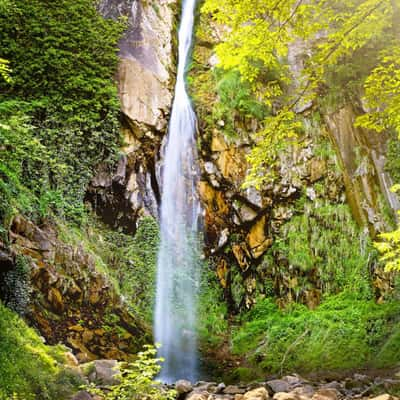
[(128, 261), (393, 161), (389, 245), (325, 239), (28, 368), (136, 380), (256, 40), (345, 332), (25, 166), (137, 279), (63, 59), (278, 131), (382, 93), (235, 101), (212, 311), (5, 70)]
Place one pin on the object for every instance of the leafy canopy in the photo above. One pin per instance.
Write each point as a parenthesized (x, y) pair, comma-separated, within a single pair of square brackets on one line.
[(62, 99), (259, 37)]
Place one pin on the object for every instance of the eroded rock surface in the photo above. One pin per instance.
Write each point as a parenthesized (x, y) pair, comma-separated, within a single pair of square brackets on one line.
[(70, 300)]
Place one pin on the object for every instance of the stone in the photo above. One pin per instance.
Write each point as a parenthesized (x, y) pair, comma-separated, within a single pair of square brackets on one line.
[(385, 397), (56, 300), (317, 169), (220, 388), (183, 386), (326, 394), (310, 193), (257, 240), (210, 168), (218, 143), (279, 385), (304, 391), (224, 237), (256, 394), (286, 396), (198, 396), (241, 254), (70, 359), (82, 395), (105, 371), (233, 389), (232, 164), (254, 196)]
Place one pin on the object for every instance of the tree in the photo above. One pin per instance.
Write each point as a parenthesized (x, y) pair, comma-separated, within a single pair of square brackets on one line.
[(256, 42)]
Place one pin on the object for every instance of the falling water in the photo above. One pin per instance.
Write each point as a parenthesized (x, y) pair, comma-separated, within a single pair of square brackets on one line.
[(178, 269)]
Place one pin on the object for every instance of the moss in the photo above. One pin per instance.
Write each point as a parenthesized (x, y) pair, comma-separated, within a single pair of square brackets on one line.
[(29, 368), (393, 161)]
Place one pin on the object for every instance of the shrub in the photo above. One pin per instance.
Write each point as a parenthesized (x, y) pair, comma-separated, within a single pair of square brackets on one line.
[(136, 380)]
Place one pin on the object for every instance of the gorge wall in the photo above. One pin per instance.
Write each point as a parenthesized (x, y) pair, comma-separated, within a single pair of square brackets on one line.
[(330, 191)]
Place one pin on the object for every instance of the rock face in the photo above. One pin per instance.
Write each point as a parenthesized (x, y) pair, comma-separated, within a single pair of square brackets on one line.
[(145, 80), (333, 166), (71, 301), (362, 155)]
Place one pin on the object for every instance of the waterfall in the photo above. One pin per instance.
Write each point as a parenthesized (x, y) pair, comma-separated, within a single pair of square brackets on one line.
[(178, 266)]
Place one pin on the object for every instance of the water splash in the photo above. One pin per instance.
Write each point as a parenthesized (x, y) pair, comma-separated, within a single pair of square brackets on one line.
[(178, 267)]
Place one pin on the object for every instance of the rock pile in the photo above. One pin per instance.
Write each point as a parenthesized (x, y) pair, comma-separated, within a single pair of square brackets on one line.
[(293, 387)]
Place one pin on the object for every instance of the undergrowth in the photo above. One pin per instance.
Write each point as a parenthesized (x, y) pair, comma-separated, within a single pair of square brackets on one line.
[(346, 331), (28, 368)]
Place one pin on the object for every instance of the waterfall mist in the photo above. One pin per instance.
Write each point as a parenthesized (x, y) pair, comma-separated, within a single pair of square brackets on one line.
[(178, 258)]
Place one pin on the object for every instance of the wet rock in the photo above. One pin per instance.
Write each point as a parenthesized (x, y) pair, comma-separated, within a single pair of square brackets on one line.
[(183, 386), (279, 385), (317, 169)]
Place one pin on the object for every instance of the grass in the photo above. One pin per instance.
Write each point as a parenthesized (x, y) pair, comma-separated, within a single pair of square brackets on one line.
[(29, 368), (344, 332)]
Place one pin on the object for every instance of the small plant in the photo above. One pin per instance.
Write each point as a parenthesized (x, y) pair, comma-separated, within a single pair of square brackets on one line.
[(136, 380)]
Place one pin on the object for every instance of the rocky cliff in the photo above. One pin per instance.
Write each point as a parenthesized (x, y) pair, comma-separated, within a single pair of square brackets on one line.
[(145, 80), (334, 176)]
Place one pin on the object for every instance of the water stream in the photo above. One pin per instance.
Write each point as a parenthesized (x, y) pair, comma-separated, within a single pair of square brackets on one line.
[(178, 266)]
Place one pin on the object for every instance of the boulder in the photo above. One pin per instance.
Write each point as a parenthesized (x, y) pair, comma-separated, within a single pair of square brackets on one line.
[(232, 389), (286, 396), (326, 394), (256, 394), (198, 396), (105, 371), (183, 386), (385, 397), (279, 385)]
